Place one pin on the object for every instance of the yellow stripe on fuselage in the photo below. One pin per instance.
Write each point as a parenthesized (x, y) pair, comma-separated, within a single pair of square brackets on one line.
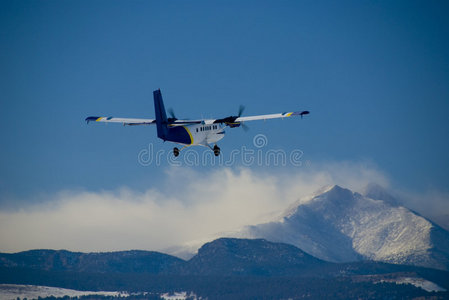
[(190, 135), (98, 119), (289, 114)]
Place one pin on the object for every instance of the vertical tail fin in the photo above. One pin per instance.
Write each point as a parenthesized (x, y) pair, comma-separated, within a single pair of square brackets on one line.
[(161, 116)]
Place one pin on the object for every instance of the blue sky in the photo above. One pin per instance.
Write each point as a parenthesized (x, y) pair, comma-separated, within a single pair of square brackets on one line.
[(374, 74)]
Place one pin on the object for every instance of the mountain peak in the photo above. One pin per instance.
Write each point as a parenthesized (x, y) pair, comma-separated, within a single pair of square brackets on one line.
[(232, 256), (339, 225), (334, 197), (337, 191), (325, 189)]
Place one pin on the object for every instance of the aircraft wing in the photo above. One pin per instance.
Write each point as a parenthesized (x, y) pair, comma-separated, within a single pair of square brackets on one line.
[(234, 121), (132, 121), (124, 121), (185, 122), (271, 116)]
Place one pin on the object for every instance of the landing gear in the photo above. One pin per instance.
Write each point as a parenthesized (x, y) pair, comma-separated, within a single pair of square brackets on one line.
[(216, 150), (175, 152)]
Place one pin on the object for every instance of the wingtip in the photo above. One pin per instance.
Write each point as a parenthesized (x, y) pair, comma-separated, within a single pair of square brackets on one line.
[(305, 112), (89, 119), (301, 113)]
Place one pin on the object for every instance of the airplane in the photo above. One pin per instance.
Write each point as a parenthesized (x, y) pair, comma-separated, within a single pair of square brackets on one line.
[(191, 132)]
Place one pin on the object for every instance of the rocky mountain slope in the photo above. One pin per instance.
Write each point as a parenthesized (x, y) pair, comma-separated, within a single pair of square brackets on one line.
[(61, 260), (339, 225), (226, 268), (228, 256)]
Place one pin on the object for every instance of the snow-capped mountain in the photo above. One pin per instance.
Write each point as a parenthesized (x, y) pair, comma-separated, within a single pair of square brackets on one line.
[(339, 225)]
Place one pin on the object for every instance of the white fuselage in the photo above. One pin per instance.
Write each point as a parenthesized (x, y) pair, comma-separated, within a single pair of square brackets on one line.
[(205, 134)]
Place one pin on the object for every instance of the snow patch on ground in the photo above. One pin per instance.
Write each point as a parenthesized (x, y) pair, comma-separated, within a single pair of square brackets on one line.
[(422, 283), (12, 291), (178, 296)]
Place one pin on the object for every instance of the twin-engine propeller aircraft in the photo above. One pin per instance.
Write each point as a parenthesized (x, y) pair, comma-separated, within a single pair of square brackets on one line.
[(191, 132)]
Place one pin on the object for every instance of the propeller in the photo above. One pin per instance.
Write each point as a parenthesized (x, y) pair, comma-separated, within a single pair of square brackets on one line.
[(243, 125), (230, 121), (172, 118), (241, 109), (171, 112)]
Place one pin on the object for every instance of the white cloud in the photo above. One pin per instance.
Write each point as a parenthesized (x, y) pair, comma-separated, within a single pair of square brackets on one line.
[(190, 205)]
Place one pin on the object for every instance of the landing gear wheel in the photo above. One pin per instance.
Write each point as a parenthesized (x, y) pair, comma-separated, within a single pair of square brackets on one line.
[(216, 150), (175, 152)]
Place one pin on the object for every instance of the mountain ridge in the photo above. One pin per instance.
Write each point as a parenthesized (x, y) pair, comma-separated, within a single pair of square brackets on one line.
[(222, 265), (251, 256), (100, 262), (221, 257), (338, 225)]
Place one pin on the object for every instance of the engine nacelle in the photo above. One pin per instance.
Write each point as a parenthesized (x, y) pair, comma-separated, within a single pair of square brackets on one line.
[(233, 125)]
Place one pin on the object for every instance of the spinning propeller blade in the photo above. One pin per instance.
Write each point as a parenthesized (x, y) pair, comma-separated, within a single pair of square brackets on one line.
[(241, 109), (230, 121), (171, 112)]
